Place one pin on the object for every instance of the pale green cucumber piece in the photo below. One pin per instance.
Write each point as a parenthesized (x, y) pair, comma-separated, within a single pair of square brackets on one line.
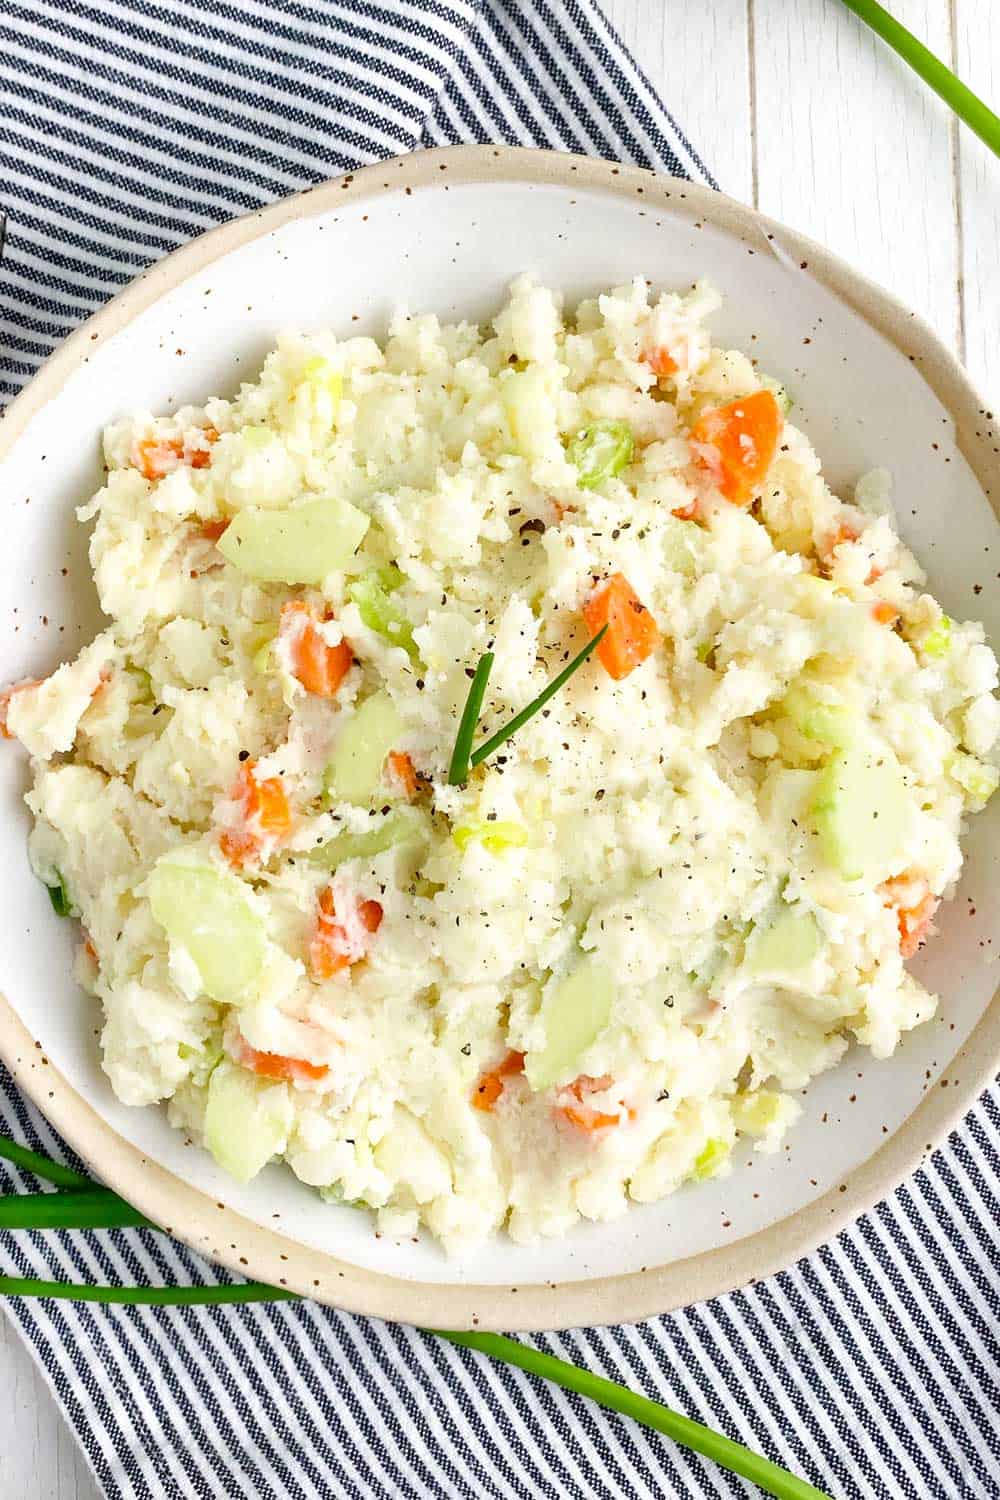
[(207, 911), (355, 771), (530, 411), (246, 1120), (403, 827), (785, 947), (862, 813), (681, 540), (300, 545), (755, 1114), (575, 1010)]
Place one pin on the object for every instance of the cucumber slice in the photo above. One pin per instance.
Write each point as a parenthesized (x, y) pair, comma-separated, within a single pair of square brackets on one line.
[(246, 1120), (530, 412), (863, 813), (206, 911), (681, 541), (62, 901), (575, 1011), (355, 772), (757, 1113), (786, 947), (405, 827), (300, 545)]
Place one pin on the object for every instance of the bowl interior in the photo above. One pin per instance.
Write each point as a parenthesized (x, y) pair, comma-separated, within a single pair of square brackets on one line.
[(452, 247)]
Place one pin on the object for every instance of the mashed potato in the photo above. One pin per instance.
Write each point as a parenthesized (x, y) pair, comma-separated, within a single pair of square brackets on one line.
[(641, 924)]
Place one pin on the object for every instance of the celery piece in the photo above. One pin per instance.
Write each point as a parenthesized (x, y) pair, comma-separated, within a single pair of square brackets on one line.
[(830, 723), (300, 545), (247, 1120), (977, 778), (372, 593), (600, 451), (207, 911), (355, 770), (711, 1159), (575, 1010), (937, 641), (495, 836)]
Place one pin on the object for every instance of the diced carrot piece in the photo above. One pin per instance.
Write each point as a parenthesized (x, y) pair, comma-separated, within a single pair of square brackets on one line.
[(276, 1065), (266, 815), (586, 1116), (331, 948), (6, 696), (491, 1084), (157, 457), (737, 442), (319, 667), (915, 907), (403, 773), (212, 531), (632, 633), (884, 613), (686, 512), (660, 361)]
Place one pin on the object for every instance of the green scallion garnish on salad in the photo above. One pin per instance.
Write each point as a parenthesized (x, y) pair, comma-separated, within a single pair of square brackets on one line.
[(458, 771)]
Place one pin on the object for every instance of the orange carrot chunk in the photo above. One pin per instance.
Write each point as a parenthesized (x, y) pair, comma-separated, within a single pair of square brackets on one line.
[(660, 360), (276, 1065), (6, 696), (884, 613), (319, 667), (491, 1084), (584, 1115), (402, 773), (915, 906), (331, 947), (265, 815), (157, 457), (737, 442), (632, 633)]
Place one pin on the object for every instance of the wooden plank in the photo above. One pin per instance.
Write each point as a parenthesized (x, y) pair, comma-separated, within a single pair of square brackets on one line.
[(41, 1458), (977, 58), (697, 58), (854, 150)]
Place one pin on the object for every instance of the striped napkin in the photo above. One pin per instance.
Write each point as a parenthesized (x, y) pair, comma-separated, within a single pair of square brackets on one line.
[(871, 1367)]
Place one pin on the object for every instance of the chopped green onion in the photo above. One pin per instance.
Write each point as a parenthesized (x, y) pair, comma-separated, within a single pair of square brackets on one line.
[(62, 905), (599, 451), (504, 734), (458, 771)]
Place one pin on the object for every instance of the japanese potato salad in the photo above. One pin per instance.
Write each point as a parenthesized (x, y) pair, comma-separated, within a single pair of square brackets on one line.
[(517, 988)]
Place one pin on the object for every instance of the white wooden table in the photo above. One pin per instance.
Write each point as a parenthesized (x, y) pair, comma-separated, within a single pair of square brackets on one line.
[(799, 110)]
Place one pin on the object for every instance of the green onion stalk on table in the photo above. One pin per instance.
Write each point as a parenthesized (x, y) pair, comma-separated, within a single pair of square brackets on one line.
[(79, 1203)]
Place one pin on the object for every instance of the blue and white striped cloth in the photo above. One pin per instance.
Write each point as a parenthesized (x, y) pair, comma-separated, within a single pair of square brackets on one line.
[(871, 1367)]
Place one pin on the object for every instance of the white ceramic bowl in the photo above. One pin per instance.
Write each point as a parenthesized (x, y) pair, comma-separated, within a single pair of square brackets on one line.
[(447, 231)]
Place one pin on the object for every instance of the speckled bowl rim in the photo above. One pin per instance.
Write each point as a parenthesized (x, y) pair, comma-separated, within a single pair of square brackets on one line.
[(248, 1249)]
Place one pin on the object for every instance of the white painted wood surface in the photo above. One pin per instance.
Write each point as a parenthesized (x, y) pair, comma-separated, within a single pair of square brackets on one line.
[(796, 108)]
